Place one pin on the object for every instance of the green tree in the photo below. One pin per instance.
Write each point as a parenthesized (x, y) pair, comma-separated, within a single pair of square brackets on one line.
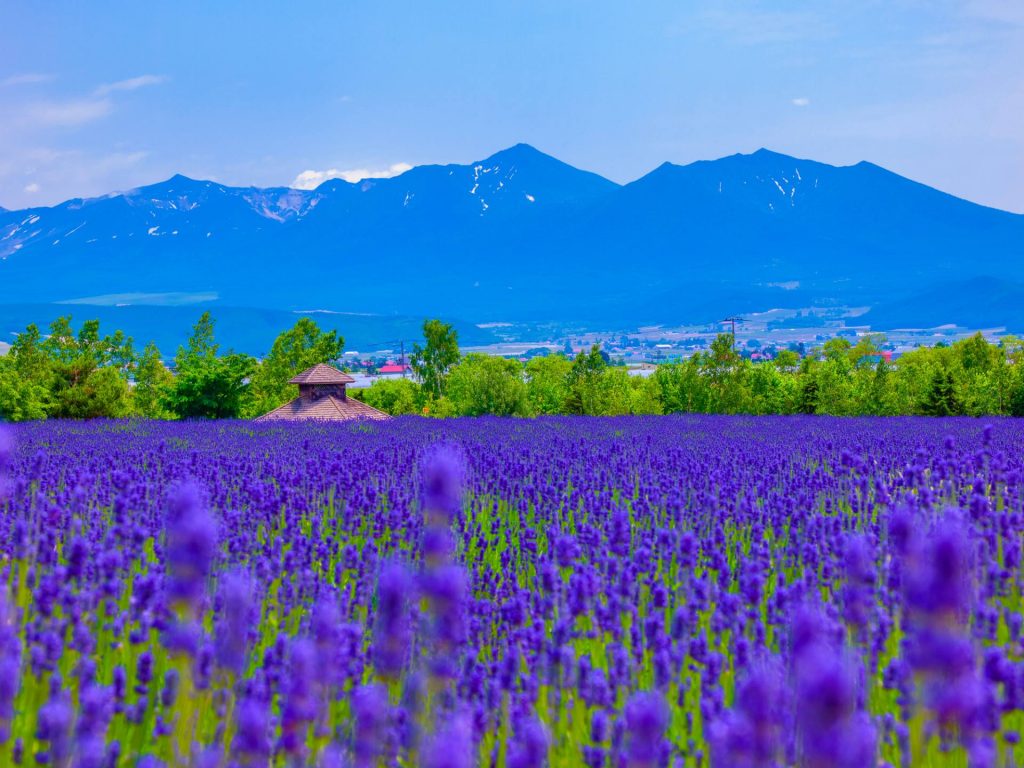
[(547, 383), (207, 386), (486, 384), (726, 374), (872, 390), (868, 346), (941, 399), (610, 394), (808, 399), (835, 387), (89, 371), (87, 349), (432, 361), (1016, 400), (438, 408), (583, 380), (771, 391), (787, 358), (103, 393), (201, 345), (836, 349), (152, 384), (211, 389), (31, 363), (295, 350), (21, 399), (913, 380), (1011, 375), (976, 354), (683, 387), (644, 395), (396, 397)]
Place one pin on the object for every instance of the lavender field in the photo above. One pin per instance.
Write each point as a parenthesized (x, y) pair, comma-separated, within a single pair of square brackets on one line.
[(661, 591)]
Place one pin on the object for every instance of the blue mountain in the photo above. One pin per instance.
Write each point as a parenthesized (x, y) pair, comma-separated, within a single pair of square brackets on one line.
[(519, 236)]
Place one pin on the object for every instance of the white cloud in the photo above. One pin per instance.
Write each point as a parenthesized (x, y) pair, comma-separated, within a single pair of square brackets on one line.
[(67, 113), (26, 78), (801, 101), (32, 176), (131, 84), (313, 179)]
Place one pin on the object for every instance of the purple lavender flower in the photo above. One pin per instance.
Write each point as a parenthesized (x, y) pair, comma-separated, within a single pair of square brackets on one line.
[(6, 448), (530, 749), (441, 482), (332, 757), (95, 710), (53, 725), (858, 592), (252, 725), (169, 692), (6, 459), (237, 609), (753, 733), (939, 579), (451, 746), (392, 633), (834, 732), (370, 714), (10, 665), (446, 589), (647, 718), (299, 708), (191, 544)]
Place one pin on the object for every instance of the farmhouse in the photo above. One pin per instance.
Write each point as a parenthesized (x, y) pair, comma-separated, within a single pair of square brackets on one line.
[(322, 396)]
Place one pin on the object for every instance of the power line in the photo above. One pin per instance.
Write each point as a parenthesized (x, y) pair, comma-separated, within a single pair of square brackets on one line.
[(732, 320)]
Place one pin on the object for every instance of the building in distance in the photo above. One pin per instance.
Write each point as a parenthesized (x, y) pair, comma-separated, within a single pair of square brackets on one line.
[(322, 396)]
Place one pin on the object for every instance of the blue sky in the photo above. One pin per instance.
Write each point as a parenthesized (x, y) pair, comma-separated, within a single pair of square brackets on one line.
[(96, 97)]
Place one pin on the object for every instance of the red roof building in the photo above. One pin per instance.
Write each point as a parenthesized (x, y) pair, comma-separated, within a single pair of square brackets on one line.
[(392, 368), (322, 396)]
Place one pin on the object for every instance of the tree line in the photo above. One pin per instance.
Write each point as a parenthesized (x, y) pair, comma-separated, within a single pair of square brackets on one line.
[(971, 377), (82, 374)]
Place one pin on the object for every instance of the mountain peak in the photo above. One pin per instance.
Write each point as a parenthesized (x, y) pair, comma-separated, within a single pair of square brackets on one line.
[(764, 152), (178, 183), (759, 158), (529, 166), (519, 153)]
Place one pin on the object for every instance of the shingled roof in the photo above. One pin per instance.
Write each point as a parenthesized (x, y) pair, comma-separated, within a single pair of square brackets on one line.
[(322, 396), (322, 374), (330, 407)]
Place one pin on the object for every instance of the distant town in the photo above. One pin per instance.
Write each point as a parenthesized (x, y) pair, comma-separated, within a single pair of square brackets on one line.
[(759, 336)]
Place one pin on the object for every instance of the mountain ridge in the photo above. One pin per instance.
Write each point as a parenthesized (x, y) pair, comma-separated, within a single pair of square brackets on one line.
[(327, 184), (521, 235)]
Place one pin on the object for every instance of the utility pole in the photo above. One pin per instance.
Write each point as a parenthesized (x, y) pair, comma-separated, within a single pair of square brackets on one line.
[(403, 358), (733, 321)]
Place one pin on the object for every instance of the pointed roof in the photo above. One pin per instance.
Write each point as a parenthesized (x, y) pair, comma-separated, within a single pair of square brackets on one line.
[(329, 408), (322, 374)]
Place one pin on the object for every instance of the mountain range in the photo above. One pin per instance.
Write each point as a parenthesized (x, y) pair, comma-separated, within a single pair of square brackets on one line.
[(522, 236)]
